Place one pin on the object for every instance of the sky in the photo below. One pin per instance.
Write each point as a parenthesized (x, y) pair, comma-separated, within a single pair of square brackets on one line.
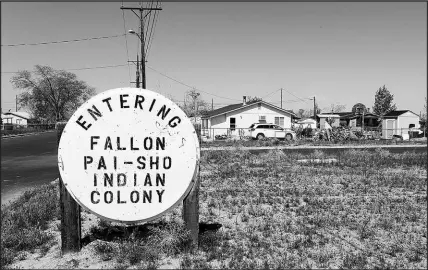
[(341, 53)]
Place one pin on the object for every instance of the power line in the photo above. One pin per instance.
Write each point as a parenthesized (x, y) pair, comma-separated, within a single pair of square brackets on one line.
[(141, 36), (62, 41), (182, 83), (152, 30), (78, 68), (295, 96), (271, 93), (147, 24)]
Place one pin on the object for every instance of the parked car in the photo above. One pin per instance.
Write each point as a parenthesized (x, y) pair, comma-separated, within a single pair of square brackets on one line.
[(261, 130)]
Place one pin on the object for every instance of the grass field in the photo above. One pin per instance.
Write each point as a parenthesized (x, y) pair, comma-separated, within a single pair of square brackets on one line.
[(367, 210), (307, 142)]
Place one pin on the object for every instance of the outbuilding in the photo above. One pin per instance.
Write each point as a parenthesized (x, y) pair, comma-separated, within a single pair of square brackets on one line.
[(334, 120), (399, 122), (308, 122)]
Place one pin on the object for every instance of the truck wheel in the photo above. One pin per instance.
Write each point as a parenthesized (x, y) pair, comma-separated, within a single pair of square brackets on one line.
[(260, 136), (288, 137)]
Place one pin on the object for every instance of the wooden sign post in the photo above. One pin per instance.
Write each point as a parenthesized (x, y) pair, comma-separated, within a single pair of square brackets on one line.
[(130, 156), (191, 209), (70, 212)]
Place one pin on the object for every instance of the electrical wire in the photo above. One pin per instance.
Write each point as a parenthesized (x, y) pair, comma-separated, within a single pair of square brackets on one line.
[(146, 23), (62, 41), (147, 20), (271, 93), (296, 96), (153, 28), (78, 68), (182, 83)]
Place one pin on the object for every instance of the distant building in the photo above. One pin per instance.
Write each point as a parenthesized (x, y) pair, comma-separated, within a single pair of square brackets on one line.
[(323, 118), (349, 119), (236, 119), (308, 122), (399, 122), (15, 118)]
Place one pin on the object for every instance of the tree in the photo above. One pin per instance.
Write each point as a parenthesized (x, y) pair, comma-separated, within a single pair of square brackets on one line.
[(330, 120), (51, 95), (336, 108), (189, 104), (301, 113), (383, 101), (251, 99), (424, 114), (359, 108)]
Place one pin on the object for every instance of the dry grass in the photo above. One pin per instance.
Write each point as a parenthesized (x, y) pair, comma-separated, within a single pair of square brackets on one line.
[(307, 142), (368, 210)]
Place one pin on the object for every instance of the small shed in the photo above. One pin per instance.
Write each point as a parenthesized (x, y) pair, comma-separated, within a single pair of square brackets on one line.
[(324, 118), (399, 123), (309, 122)]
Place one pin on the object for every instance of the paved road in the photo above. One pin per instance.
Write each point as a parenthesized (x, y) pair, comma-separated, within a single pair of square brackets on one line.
[(27, 162)]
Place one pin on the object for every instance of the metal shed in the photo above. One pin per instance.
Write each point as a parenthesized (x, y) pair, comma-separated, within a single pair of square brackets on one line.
[(399, 123)]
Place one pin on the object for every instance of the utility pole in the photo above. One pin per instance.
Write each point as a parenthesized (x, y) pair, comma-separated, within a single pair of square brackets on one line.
[(137, 80), (143, 57), (194, 95), (315, 110), (212, 104), (16, 103), (137, 73), (362, 124), (196, 108), (281, 98), (141, 36)]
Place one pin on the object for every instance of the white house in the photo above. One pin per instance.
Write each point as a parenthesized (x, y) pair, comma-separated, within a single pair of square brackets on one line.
[(15, 118), (399, 123), (236, 119)]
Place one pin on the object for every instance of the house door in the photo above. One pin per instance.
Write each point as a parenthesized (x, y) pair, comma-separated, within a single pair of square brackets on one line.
[(232, 126), (389, 128)]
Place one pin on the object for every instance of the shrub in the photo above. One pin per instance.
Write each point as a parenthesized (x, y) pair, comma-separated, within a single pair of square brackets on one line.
[(24, 221), (171, 239)]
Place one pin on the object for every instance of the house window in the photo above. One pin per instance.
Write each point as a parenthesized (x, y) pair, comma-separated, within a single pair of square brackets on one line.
[(279, 121), (262, 119), (232, 123)]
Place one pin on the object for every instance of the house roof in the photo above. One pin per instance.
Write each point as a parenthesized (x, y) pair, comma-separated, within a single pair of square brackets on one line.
[(328, 115), (397, 113), (234, 107), (222, 110), (18, 114), (307, 120), (366, 115)]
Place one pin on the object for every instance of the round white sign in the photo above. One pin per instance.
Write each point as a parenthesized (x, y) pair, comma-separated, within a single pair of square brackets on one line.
[(128, 155)]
